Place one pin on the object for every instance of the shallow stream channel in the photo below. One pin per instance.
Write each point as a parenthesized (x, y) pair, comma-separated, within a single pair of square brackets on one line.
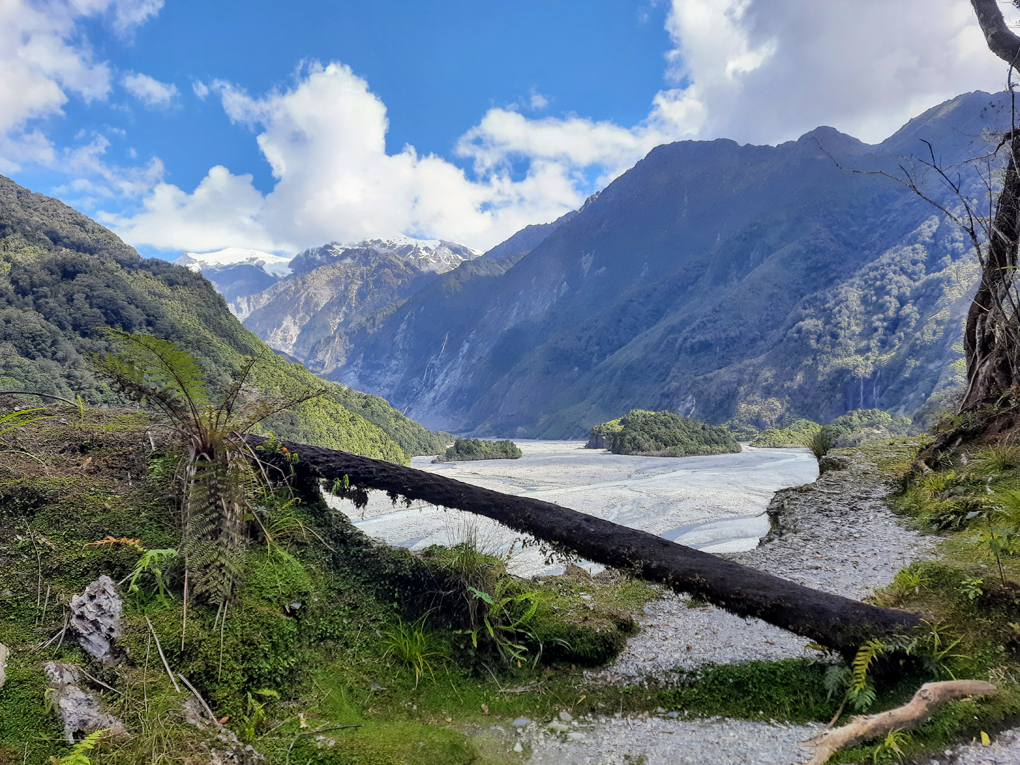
[(716, 504)]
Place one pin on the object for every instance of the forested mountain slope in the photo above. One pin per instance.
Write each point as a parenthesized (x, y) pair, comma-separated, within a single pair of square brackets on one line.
[(63, 278), (711, 279)]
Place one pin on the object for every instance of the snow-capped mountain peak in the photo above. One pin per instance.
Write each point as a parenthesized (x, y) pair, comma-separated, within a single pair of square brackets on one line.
[(435, 255), (274, 265)]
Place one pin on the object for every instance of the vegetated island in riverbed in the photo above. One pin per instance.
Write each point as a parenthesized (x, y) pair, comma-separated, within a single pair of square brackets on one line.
[(466, 449), (856, 427), (661, 434)]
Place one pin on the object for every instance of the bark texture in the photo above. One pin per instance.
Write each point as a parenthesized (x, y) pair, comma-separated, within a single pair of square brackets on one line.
[(834, 621), (911, 715), (992, 336)]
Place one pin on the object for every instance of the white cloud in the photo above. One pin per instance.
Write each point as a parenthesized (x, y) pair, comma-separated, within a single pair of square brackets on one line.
[(536, 100), (758, 71), (44, 60), (149, 90), (325, 141), (201, 89)]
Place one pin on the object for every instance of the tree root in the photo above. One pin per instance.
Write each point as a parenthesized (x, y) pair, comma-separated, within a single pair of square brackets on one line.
[(911, 715)]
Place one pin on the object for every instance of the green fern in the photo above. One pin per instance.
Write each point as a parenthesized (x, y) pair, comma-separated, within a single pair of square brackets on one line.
[(78, 754), (862, 689), (218, 476)]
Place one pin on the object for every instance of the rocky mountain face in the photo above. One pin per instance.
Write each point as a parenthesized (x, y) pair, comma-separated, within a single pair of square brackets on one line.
[(237, 273), (712, 279), (324, 287)]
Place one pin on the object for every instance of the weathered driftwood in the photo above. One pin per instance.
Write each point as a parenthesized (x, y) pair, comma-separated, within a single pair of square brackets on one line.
[(834, 621), (914, 714)]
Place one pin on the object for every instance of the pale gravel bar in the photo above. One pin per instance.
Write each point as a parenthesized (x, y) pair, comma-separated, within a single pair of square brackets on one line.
[(837, 534)]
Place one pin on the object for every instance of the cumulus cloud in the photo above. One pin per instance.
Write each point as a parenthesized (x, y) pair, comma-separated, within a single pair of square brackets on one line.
[(44, 60), (150, 91), (758, 71), (325, 141)]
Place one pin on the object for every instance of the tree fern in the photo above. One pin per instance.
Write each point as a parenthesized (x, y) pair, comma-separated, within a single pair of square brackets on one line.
[(218, 477)]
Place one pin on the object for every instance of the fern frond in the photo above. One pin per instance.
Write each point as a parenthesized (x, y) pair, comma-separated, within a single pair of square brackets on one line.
[(78, 754), (866, 655)]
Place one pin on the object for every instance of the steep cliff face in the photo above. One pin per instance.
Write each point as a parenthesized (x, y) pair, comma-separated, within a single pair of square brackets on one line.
[(709, 278), (338, 284)]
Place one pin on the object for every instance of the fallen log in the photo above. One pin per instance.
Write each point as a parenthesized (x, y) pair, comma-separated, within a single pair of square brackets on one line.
[(913, 714), (831, 620)]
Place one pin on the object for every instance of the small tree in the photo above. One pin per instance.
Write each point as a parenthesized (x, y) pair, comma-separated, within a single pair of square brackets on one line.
[(218, 472)]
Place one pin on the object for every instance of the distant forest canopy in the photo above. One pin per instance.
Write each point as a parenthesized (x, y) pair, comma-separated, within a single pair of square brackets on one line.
[(63, 278), (851, 429), (467, 449), (661, 434)]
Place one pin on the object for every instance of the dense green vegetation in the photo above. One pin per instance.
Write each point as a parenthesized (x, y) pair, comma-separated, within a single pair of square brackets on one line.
[(63, 278), (856, 427), (466, 449), (663, 434), (862, 425), (797, 433), (326, 628)]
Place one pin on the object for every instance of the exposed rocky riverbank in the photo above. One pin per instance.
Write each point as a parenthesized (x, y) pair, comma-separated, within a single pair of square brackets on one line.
[(836, 534)]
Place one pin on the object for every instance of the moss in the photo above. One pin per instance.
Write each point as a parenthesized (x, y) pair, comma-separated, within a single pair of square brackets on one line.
[(384, 743), (792, 690), (28, 730)]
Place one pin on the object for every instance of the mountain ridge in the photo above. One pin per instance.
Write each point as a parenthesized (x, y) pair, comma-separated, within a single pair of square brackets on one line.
[(700, 279)]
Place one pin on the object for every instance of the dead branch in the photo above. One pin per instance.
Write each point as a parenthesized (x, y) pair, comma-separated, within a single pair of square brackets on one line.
[(911, 715)]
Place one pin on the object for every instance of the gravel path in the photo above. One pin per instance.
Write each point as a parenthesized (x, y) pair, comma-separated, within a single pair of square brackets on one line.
[(836, 534)]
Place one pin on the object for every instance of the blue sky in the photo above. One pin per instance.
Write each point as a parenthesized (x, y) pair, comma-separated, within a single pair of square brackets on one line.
[(278, 126)]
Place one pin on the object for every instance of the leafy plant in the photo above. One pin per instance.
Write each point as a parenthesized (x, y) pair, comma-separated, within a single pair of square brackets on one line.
[(254, 715), (891, 747), (78, 755), (412, 645), (217, 474), (152, 565), (505, 619), (972, 588)]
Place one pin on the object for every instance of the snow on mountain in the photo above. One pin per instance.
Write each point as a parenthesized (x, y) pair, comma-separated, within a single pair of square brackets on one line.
[(434, 255), (274, 265)]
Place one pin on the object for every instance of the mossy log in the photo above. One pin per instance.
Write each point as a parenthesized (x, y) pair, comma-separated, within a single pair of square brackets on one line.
[(831, 620)]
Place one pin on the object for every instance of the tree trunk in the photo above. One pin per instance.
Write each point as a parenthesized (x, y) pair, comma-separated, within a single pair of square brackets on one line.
[(834, 621), (990, 339)]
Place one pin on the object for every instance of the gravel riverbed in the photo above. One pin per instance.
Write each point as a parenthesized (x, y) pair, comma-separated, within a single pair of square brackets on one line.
[(836, 534)]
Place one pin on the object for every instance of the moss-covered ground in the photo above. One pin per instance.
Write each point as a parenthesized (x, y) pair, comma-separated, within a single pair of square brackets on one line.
[(338, 650)]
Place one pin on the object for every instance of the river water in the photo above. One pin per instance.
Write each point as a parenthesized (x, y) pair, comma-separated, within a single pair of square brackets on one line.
[(715, 504)]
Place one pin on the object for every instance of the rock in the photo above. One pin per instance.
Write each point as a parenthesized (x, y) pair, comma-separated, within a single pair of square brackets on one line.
[(95, 616), (559, 727), (566, 717), (79, 710), (4, 653), (833, 462), (521, 722), (575, 573), (518, 747)]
